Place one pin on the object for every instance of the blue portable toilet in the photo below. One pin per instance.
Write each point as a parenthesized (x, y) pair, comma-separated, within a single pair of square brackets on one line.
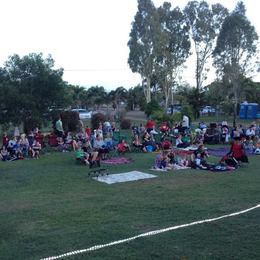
[(252, 110), (243, 110)]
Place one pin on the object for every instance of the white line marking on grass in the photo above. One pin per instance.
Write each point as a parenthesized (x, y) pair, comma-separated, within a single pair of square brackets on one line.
[(151, 233)]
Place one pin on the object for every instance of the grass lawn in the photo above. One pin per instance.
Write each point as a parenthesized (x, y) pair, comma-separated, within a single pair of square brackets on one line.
[(49, 207)]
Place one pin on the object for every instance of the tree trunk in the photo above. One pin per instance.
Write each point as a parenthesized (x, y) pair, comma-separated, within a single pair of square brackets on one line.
[(147, 90)]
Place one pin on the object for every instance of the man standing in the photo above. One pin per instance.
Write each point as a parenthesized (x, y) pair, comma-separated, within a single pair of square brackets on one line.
[(59, 130)]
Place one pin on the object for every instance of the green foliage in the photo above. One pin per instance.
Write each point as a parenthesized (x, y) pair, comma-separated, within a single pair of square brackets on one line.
[(125, 124), (96, 96), (205, 22), (31, 123), (30, 86), (135, 98), (152, 107), (161, 116), (70, 121), (187, 111), (96, 119)]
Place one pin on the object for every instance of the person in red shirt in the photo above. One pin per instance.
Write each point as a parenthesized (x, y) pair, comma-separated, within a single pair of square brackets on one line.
[(88, 132), (150, 125), (5, 140), (237, 151)]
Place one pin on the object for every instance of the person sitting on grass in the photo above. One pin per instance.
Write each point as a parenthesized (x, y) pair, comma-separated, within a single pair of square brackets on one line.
[(199, 163), (100, 146), (137, 143), (5, 140), (237, 151), (89, 155), (4, 154), (24, 144), (79, 154), (123, 146), (70, 142), (36, 148), (147, 141), (180, 143), (162, 161)]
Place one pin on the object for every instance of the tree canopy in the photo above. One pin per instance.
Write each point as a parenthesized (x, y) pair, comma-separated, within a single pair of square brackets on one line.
[(30, 87)]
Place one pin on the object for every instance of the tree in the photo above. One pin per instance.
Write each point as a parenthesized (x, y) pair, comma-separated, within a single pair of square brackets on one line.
[(141, 43), (172, 48), (135, 98), (96, 96), (79, 96), (30, 88), (236, 48), (204, 22), (117, 96)]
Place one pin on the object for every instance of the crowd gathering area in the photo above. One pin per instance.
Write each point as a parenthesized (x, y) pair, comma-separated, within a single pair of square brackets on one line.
[(174, 147)]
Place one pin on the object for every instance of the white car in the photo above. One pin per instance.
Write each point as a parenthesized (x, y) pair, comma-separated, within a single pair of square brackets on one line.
[(83, 113), (207, 110)]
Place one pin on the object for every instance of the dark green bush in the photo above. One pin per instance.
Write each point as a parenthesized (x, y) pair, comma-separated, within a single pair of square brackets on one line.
[(161, 116), (96, 119), (152, 107), (70, 121), (125, 124), (31, 123)]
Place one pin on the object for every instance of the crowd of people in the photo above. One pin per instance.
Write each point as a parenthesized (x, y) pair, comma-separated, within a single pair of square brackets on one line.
[(92, 145)]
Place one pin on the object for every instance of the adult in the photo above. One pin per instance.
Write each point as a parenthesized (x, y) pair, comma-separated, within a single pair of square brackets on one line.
[(250, 133), (100, 146), (237, 151), (59, 130), (185, 123), (150, 125)]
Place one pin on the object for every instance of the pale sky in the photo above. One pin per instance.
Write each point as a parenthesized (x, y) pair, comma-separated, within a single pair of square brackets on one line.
[(88, 38)]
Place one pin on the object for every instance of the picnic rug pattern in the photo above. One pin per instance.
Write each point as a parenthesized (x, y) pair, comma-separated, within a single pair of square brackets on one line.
[(118, 160)]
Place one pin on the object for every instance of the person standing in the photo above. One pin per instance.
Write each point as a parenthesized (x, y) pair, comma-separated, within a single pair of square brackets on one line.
[(185, 123), (59, 130)]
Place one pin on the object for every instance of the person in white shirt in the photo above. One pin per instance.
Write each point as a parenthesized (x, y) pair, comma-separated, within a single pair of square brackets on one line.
[(250, 133)]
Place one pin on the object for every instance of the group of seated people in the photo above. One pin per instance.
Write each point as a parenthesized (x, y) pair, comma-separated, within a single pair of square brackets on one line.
[(168, 159), (20, 146), (223, 133)]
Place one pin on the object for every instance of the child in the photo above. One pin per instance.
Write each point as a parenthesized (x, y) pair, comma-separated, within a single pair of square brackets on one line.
[(36, 148), (4, 154), (123, 146)]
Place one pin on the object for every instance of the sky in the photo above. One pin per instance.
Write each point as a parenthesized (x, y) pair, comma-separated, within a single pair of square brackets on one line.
[(87, 38)]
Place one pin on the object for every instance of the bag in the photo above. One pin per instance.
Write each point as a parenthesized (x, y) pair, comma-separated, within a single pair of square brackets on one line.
[(149, 148)]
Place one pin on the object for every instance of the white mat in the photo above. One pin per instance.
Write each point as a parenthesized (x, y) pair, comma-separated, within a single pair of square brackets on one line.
[(124, 177)]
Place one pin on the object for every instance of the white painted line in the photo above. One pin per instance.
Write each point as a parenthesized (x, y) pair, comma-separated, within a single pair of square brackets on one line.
[(151, 233)]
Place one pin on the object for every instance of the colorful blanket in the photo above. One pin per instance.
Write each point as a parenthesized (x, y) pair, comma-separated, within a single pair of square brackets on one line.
[(118, 160)]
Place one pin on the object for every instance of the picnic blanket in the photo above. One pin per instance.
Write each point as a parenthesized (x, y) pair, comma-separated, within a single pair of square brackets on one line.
[(118, 160)]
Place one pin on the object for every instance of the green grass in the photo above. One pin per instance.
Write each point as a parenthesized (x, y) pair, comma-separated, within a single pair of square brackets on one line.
[(50, 206)]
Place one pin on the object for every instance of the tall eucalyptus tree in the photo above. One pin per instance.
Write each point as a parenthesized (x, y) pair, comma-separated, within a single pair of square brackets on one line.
[(172, 47), (236, 51), (142, 43), (205, 22)]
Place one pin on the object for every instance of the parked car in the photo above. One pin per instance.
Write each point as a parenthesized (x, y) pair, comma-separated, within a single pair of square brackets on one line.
[(83, 113), (176, 108), (207, 110)]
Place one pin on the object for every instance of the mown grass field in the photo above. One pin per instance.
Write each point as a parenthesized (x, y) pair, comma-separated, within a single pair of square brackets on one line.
[(50, 206)]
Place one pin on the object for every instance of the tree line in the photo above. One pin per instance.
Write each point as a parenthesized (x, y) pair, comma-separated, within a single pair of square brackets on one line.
[(161, 40), (160, 43)]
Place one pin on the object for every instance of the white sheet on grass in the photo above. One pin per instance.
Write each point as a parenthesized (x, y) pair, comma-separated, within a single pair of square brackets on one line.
[(124, 177)]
